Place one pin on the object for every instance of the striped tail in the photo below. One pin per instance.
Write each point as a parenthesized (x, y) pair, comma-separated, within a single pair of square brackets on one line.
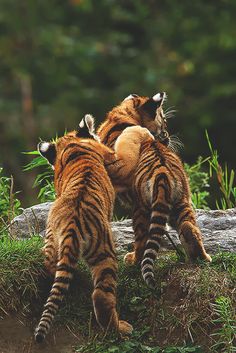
[(60, 286), (156, 232)]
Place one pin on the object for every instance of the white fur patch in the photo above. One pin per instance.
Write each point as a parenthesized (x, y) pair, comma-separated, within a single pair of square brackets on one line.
[(159, 96), (89, 121), (129, 97), (81, 124), (44, 146)]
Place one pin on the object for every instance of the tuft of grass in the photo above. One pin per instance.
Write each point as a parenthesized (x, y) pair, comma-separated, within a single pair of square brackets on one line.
[(199, 183), (225, 179), (226, 261), (10, 206), (21, 264), (226, 319), (44, 179)]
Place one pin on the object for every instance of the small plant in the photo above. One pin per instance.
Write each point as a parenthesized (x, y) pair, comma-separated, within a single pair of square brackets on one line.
[(199, 183), (43, 180), (9, 204), (226, 319), (225, 179)]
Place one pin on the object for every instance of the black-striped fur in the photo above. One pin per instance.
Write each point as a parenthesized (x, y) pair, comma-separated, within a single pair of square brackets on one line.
[(161, 192), (79, 225)]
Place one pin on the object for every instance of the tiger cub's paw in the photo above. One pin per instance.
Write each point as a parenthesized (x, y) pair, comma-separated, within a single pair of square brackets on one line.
[(202, 256), (130, 258), (125, 328), (207, 257)]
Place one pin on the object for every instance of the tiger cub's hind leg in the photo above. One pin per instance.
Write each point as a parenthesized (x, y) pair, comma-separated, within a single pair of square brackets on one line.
[(104, 271), (50, 252), (141, 220), (183, 218)]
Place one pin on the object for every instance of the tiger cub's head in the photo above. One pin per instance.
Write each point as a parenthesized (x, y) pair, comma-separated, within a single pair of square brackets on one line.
[(86, 130), (147, 111)]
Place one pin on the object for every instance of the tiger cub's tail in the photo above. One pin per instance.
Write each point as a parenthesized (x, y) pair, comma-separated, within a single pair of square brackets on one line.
[(60, 286), (158, 222)]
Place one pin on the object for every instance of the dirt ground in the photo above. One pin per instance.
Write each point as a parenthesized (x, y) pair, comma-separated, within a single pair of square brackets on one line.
[(17, 337)]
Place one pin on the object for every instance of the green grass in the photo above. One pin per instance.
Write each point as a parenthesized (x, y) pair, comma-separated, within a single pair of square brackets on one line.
[(226, 318), (184, 313), (20, 267), (131, 346), (10, 206), (225, 179)]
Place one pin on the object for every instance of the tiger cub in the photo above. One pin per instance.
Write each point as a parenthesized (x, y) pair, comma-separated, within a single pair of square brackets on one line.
[(162, 194), (79, 224)]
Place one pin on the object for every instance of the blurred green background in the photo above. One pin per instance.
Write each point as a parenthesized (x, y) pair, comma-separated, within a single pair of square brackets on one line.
[(62, 59)]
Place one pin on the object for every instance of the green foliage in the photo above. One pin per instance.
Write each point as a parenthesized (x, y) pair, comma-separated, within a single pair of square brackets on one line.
[(131, 346), (226, 262), (9, 204), (44, 180), (226, 320), (19, 287), (199, 183), (225, 179)]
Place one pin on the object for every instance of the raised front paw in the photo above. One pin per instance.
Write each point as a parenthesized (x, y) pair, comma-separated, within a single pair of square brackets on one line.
[(130, 258), (125, 328)]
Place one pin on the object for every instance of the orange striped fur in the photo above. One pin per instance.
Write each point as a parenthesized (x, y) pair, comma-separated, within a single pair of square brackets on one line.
[(79, 225), (134, 110), (162, 194), (160, 188)]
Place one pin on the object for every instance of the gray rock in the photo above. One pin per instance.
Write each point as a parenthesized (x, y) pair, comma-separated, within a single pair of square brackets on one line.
[(32, 221), (218, 228)]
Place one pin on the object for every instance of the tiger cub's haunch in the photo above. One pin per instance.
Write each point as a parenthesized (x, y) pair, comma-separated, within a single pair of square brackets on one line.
[(78, 224), (162, 194)]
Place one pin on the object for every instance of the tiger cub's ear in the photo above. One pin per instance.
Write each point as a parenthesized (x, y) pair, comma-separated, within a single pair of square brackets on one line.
[(86, 127), (153, 103), (48, 151)]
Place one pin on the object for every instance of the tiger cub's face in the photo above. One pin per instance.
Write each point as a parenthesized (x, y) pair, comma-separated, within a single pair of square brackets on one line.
[(147, 111)]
